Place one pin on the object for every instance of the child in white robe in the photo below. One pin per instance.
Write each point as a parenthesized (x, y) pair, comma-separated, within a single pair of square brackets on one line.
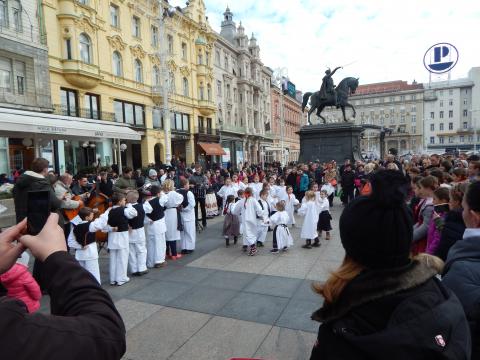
[(188, 235), (290, 205), (281, 191), (82, 239), (172, 218), (310, 210), (262, 226), (137, 256), (282, 239), (156, 228), (250, 209), (256, 187), (225, 190), (231, 223), (324, 218), (118, 241)]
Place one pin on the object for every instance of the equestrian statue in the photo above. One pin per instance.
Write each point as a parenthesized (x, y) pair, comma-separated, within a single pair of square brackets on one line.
[(329, 95)]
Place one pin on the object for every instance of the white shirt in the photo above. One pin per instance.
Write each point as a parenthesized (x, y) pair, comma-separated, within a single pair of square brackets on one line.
[(471, 232)]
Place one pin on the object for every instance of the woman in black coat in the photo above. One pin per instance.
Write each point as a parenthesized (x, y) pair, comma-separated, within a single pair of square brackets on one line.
[(380, 304)]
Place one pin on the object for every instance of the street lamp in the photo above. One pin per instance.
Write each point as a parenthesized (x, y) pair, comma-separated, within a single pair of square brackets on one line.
[(475, 129)]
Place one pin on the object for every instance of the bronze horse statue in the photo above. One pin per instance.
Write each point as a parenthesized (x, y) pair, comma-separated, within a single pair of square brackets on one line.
[(345, 88)]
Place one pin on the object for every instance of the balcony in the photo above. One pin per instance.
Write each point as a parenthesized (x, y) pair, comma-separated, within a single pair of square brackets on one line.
[(84, 113), (234, 129), (207, 108), (468, 130), (80, 74), (205, 131), (157, 92)]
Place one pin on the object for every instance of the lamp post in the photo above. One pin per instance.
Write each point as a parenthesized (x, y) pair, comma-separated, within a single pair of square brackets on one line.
[(475, 129), (165, 79)]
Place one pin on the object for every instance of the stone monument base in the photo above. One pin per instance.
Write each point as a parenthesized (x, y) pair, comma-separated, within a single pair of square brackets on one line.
[(327, 142)]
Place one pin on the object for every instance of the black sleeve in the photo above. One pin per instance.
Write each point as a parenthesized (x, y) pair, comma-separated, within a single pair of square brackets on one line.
[(84, 324)]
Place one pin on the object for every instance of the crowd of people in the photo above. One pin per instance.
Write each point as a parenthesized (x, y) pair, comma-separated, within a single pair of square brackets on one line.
[(412, 220)]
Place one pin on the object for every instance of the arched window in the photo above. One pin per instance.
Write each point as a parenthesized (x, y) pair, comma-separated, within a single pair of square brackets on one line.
[(156, 76), (185, 86), (138, 71), (117, 64), (209, 92), (85, 48), (202, 91)]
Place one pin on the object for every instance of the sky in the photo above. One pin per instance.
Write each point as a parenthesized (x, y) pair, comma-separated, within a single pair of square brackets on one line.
[(375, 40)]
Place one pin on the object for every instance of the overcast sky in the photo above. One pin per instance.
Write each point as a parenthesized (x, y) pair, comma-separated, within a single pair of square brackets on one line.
[(377, 40)]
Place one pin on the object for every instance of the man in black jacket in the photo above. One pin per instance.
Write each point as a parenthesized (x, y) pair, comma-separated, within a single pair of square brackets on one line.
[(348, 184), (84, 323)]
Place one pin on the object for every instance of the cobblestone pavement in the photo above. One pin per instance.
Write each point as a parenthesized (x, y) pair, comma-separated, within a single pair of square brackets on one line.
[(219, 303)]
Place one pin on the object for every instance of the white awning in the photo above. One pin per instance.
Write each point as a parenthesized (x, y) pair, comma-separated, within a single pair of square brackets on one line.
[(18, 123)]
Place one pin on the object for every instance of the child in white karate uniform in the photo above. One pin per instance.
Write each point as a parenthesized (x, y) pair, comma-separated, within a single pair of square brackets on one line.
[(262, 225), (189, 235), (118, 242), (324, 218), (310, 210), (82, 239), (155, 228), (282, 239), (290, 205), (137, 256), (172, 218), (250, 209)]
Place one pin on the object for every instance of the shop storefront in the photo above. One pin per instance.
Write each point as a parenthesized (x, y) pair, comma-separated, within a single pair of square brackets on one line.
[(69, 143)]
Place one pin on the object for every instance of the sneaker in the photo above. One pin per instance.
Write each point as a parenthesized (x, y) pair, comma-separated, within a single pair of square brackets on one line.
[(274, 251), (136, 274), (113, 283), (307, 246), (235, 239), (141, 273), (184, 252), (316, 243), (160, 265), (190, 252), (244, 248), (121, 284), (285, 248), (259, 244)]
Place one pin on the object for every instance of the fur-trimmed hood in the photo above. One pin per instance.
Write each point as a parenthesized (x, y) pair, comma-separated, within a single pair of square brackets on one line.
[(373, 285)]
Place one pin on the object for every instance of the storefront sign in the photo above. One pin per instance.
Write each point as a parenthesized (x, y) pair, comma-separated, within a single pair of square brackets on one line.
[(51, 130)]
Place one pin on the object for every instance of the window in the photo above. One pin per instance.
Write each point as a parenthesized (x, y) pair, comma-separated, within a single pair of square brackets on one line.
[(432, 127), (450, 126), (200, 58), (114, 16), (402, 98), (3, 13), (201, 91), (441, 114), (129, 113), (450, 102), (92, 106), (441, 103), (465, 113), (465, 125), (432, 139), (68, 48), (157, 118), (219, 88), (229, 95), (117, 63), (414, 129), (155, 76), (217, 57), (17, 16), (170, 44), (414, 97), (392, 98), (136, 27), (432, 115), (462, 138), (465, 101), (85, 48), (20, 75), (402, 119), (450, 92), (450, 114), (441, 92), (209, 92), (154, 31), (414, 118), (441, 126), (226, 62), (138, 71), (184, 51), (414, 108), (69, 102), (441, 140), (470, 138), (5, 74), (185, 87), (180, 122), (207, 58), (450, 139)]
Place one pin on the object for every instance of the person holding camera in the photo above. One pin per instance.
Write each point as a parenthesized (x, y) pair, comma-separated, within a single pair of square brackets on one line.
[(84, 323), (200, 182)]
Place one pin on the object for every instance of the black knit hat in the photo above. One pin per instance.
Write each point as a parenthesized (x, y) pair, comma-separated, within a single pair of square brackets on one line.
[(377, 230)]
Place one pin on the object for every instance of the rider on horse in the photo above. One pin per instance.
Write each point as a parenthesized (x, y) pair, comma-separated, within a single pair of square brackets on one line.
[(327, 91)]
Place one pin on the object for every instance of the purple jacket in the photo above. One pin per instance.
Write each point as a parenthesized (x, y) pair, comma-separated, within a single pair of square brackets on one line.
[(435, 229)]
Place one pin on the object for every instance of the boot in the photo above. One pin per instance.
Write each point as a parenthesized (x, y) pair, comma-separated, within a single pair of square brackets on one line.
[(235, 238), (316, 242), (259, 244), (244, 248), (327, 236), (227, 241), (308, 244)]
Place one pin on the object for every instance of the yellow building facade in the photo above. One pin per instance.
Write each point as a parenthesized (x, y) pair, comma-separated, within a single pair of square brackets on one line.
[(105, 62)]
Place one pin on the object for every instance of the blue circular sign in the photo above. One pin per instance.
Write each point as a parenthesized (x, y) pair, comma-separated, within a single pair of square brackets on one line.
[(441, 58)]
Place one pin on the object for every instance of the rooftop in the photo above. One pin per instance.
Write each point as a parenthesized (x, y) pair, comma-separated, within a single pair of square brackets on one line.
[(387, 87)]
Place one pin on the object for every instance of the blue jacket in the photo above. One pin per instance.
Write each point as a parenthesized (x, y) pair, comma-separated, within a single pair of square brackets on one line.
[(304, 182), (462, 275)]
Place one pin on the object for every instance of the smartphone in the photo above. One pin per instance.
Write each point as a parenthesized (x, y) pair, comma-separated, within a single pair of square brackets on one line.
[(38, 211)]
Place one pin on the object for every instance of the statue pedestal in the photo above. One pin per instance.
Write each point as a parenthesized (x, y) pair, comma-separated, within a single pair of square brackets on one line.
[(327, 142)]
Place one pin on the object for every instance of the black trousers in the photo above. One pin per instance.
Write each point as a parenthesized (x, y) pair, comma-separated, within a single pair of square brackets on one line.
[(330, 199), (201, 202), (347, 195), (172, 248)]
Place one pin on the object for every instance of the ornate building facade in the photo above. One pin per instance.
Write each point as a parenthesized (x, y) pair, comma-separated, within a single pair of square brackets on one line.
[(243, 95), (106, 65)]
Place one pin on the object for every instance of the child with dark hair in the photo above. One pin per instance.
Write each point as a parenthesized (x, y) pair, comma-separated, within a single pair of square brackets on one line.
[(262, 227), (282, 239), (441, 198), (290, 205), (231, 223), (423, 212), (324, 217)]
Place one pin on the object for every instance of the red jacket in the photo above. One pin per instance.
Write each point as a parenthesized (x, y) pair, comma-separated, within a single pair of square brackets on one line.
[(22, 286)]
